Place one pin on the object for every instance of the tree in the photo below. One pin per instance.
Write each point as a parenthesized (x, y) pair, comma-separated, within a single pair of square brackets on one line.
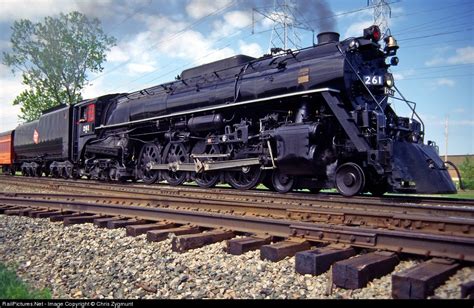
[(467, 173), (54, 57)]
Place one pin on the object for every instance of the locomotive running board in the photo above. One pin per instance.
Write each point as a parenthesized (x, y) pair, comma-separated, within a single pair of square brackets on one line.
[(222, 106), (199, 166)]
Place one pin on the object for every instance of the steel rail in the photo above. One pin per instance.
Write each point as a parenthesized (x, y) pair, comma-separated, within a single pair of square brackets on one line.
[(448, 224), (265, 199), (228, 192), (426, 244)]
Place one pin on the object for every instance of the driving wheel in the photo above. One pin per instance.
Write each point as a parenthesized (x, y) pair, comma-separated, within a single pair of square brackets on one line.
[(177, 153), (208, 179), (247, 178), (150, 153)]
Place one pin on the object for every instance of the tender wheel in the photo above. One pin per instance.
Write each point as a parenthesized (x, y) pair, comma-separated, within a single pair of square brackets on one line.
[(208, 179), (247, 178), (350, 179), (149, 153), (177, 153), (281, 182)]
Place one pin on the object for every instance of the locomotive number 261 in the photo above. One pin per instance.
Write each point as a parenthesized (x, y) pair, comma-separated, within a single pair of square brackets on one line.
[(373, 80)]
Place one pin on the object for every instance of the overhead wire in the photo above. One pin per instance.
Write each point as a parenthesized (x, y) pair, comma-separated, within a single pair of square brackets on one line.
[(172, 37)]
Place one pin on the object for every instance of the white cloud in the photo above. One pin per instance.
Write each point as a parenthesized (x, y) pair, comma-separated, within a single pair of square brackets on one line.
[(463, 56), (231, 22), (33, 9), (253, 49), (445, 82), (94, 89), (139, 68), (403, 74), (356, 29), (117, 54), (157, 23), (5, 44), (200, 8), (141, 58), (459, 110), (37, 9), (10, 87)]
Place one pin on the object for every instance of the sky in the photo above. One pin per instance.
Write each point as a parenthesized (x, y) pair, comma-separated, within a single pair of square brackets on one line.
[(158, 39)]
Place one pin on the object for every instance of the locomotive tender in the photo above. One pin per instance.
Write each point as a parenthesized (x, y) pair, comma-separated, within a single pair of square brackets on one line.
[(306, 119)]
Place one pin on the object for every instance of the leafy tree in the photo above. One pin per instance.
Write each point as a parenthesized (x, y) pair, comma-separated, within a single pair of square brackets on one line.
[(467, 173), (54, 57)]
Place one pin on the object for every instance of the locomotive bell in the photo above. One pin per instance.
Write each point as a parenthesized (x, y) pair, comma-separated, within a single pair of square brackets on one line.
[(390, 43)]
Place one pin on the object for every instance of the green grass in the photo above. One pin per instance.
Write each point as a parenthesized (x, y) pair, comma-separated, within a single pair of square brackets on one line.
[(11, 287), (462, 194)]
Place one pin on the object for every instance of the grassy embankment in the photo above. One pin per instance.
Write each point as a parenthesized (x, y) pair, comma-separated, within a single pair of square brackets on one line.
[(11, 287)]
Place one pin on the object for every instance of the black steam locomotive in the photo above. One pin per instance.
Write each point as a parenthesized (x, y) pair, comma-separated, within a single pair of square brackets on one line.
[(306, 119)]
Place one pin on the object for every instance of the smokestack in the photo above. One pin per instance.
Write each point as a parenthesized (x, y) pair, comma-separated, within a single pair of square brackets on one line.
[(328, 37)]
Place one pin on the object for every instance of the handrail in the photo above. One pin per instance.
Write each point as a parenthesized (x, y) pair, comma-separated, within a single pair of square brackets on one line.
[(414, 113)]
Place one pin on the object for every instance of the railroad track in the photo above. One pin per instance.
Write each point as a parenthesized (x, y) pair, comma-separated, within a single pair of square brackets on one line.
[(293, 225), (264, 197)]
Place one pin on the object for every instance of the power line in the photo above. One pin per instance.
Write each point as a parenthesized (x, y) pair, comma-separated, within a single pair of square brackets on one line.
[(435, 43), (431, 10), (436, 34), (437, 22), (443, 26), (136, 11), (457, 66), (175, 35), (350, 12), (441, 76), (194, 61)]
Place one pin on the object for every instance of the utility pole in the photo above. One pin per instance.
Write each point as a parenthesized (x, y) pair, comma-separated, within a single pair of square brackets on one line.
[(446, 138), (286, 23), (382, 12)]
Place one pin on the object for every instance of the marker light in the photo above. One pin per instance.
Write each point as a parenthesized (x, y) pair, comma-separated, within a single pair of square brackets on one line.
[(389, 80), (372, 33)]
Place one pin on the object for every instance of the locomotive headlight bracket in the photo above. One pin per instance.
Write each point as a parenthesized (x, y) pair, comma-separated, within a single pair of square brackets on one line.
[(389, 81)]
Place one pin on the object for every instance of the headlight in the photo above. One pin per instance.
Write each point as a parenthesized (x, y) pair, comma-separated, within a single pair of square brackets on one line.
[(354, 44), (389, 82)]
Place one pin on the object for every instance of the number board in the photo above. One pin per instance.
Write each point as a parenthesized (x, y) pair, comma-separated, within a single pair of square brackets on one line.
[(374, 80)]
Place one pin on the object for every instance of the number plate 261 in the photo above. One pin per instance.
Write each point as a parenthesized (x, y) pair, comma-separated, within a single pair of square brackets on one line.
[(373, 80)]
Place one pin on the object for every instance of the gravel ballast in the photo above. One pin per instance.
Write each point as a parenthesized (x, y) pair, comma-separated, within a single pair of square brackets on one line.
[(82, 261)]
